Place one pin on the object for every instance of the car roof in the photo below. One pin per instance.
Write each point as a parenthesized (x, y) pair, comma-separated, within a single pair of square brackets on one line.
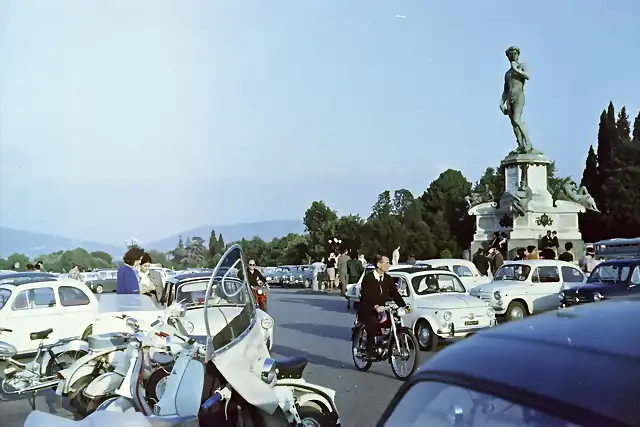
[(583, 356), (621, 261), (9, 273), (421, 270), (538, 262), (192, 276), (444, 261)]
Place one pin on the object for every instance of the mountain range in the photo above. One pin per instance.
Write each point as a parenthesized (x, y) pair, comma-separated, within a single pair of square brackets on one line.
[(33, 244)]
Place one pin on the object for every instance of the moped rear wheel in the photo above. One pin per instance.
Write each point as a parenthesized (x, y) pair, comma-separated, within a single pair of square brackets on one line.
[(405, 361), (357, 349), (63, 361)]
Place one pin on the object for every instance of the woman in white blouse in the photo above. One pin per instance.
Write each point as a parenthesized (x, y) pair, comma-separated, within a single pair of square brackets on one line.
[(146, 286)]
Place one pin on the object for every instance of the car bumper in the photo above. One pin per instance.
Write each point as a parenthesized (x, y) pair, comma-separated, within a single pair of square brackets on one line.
[(572, 303), (463, 331)]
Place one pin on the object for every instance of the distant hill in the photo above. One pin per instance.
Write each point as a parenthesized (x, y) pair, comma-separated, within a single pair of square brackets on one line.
[(34, 244), (266, 230)]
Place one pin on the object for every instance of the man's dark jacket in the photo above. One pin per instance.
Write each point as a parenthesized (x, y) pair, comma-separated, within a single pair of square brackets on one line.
[(375, 292), (254, 276)]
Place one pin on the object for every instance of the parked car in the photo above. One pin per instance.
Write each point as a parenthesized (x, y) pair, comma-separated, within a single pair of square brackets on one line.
[(9, 277), (522, 288), (282, 276), (353, 289), (560, 369), (190, 289), (103, 281), (66, 306), (441, 306), (299, 275), (465, 269), (610, 279)]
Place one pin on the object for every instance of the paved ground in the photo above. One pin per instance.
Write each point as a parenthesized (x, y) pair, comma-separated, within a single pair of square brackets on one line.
[(314, 326)]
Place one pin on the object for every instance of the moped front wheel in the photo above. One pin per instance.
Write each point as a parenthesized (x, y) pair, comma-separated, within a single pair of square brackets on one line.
[(313, 417), (404, 361), (357, 349)]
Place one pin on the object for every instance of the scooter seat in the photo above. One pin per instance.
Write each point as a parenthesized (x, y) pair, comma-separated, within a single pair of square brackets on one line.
[(291, 367), (41, 335)]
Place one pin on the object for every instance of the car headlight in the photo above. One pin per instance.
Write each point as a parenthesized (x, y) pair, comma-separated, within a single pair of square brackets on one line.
[(561, 296), (497, 295), (491, 313), (269, 371), (269, 278), (260, 292), (446, 316), (401, 312), (267, 323), (597, 296)]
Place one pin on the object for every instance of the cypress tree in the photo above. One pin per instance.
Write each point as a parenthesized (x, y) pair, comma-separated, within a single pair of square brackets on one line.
[(591, 223), (636, 129)]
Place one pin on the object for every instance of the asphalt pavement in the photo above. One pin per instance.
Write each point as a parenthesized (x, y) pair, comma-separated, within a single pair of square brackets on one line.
[(315, 326)]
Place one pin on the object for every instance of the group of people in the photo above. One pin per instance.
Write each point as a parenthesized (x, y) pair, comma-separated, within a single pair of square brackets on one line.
[(488, 261), (135, 276), (38, 266), (338, 271)]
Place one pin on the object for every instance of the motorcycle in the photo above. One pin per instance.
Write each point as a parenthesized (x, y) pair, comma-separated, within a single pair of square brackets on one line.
[(39, 373), (260, 293), (393, 342), (98, 376)]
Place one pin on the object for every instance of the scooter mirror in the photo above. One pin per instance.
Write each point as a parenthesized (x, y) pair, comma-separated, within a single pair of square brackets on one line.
[(133, 324)]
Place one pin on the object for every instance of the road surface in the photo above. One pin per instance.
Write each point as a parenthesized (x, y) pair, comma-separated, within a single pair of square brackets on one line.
[(317, 327)]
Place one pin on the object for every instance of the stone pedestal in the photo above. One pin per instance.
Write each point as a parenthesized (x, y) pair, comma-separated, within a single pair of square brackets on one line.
[(542, 215)]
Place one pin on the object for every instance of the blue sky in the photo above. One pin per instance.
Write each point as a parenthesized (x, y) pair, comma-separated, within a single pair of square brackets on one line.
[(145, 118)]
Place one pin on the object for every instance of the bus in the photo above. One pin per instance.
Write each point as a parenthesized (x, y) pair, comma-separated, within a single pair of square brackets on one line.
[(618, 248)]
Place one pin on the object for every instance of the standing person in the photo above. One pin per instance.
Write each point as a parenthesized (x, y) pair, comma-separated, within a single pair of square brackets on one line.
[(546, 241), (547, 253), (589, 262), (503, 244), (157, 282), (127, 277), (496, 260), (146, 286), (343, 275), (481, 262), (411, 260), (354, 271), (395, 257), (567, 255), (555, 244), (74, 273), (377, 288), (521, 254), (362, 260), (532, 252), (317, 271), (331, 270), (495, 242), (39, 266), (30, 267)]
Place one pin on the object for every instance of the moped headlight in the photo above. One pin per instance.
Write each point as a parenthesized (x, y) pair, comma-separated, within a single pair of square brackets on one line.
[(267, 323), (561, 296), (260, 292), (269, 371), (447, 316), (401, 312), (497, 295), (491, 313)]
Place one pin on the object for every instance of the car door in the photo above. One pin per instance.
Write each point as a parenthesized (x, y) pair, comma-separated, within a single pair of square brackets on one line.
[(77, 310), (544, 289), (35, 308), (571, 277), (466, 275)]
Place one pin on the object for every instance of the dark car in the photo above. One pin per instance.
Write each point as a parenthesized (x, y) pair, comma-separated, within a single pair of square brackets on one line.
[(102, 281), (609, 279), (573, 367)]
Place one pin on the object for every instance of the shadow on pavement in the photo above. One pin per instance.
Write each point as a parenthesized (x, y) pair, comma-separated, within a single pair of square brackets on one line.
[(342, 333), (337, 305), (312, 358)]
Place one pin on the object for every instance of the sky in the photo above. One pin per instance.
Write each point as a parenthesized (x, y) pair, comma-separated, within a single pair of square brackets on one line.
[(146, 118)]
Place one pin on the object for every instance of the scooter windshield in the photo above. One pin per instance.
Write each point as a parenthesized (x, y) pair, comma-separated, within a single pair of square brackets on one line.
[(230, 301)]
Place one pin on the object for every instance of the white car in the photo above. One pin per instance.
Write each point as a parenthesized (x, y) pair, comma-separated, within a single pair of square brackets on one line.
[(189, 289), (521, 288), (441, 308), (465, 269), (66, 306), (352, 290)]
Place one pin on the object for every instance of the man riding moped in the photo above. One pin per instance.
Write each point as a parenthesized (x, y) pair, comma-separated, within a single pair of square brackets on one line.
[(258, 284)]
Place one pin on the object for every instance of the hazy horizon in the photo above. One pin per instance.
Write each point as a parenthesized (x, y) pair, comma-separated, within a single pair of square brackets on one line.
[(145, 119)]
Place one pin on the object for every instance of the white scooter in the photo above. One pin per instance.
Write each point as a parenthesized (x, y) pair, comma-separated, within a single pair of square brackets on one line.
[(239, 383)]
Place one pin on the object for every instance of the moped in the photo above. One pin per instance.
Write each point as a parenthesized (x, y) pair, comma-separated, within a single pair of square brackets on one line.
[(40, 372)]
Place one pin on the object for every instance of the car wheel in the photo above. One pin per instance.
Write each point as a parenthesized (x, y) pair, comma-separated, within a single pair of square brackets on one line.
[(427, 339), (516, 311), (307, 283), (98, 289)]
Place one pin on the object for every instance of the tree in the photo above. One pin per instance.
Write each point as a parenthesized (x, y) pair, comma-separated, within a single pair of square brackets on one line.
[(103, 256), (636, 129), (402, 199), (212, 248), (318, 219), (220, 246), (158, 257), (383, 207)]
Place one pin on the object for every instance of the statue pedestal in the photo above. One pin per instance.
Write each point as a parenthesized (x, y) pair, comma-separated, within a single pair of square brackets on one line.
[(541, 215)]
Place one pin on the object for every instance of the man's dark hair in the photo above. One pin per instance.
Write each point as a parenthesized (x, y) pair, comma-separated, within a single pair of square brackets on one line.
[(568, 246), (39, 263), (591, 251), (377, 259), (521, 252), (496, 234), (480, 251), (554, 232), (531, 248), (30, 267), (353, 254), (547, 253), (146, 258), (503, 234), (133, 255)]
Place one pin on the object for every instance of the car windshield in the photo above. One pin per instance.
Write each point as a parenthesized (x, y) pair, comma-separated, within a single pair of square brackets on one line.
[(437, 404), (610, 273), (435, 283), (518, 272), (4, 297)]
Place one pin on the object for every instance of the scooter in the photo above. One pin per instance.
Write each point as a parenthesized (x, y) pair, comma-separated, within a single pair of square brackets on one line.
[(39, 373)]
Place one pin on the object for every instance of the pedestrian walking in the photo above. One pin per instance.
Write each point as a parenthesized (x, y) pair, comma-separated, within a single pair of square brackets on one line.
[(343, 275), (331, 270)]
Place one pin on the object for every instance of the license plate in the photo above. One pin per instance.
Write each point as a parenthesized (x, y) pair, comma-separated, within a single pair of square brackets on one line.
[(471, 322), (59, 388)]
